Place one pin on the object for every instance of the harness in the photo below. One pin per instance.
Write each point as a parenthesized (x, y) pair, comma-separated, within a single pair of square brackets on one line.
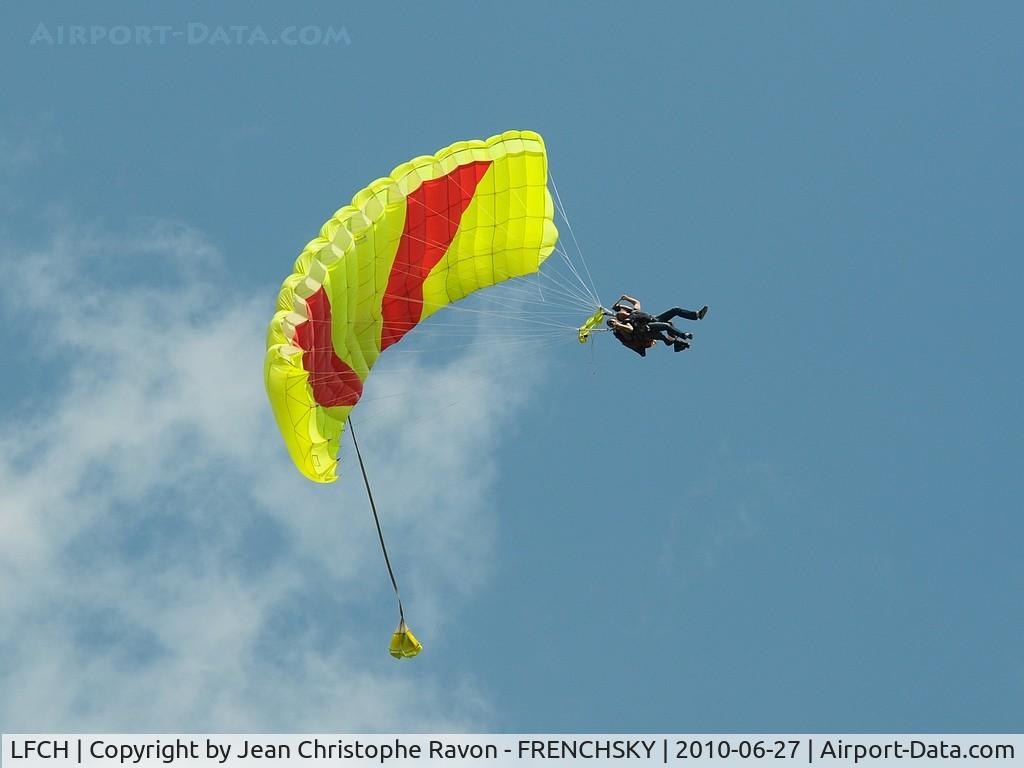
[(639, 321), (636, 340)]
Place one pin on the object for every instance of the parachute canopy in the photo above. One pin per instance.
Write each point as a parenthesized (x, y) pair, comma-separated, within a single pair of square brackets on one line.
[(437, 229)]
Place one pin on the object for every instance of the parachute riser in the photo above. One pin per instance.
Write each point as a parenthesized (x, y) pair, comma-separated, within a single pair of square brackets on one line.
[(403, 643)]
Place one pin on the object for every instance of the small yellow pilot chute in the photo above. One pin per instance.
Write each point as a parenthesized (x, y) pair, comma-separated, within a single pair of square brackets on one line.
[(404, 644), (592, 321)]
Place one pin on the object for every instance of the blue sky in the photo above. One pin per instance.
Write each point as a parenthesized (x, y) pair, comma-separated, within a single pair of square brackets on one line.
[(810, 521)]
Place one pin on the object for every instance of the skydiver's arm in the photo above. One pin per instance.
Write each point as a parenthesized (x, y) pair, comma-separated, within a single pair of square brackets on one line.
[(616, 325), (618, 306)]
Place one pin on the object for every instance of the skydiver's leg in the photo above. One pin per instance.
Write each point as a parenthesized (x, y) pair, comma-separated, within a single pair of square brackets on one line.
[(670, 335), (668, 332), (662, 327), (661, 332), (686, 314)]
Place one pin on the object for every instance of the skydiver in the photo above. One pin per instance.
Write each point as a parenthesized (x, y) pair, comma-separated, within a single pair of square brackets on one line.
[(630, 336), (639, 330)]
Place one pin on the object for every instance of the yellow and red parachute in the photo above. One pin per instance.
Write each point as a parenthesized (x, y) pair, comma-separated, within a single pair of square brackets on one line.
[(437, 229)]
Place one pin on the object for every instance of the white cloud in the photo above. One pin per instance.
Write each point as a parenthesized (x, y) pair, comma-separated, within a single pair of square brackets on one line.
[(163, 566)]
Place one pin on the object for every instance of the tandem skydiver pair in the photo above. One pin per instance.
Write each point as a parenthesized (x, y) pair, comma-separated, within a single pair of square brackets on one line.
[(639, 331)]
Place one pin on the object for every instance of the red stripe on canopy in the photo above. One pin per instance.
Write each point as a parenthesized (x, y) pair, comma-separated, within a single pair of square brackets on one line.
[(333, 381), (433, 213)]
